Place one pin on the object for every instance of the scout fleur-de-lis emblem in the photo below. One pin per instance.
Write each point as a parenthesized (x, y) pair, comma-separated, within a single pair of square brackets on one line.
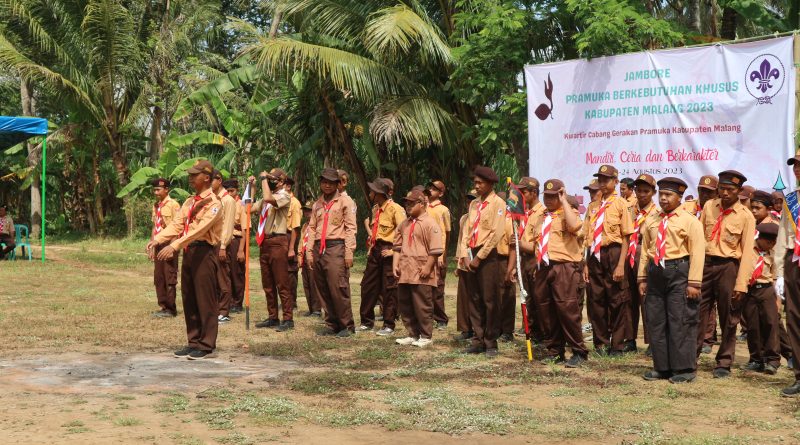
[(764, 76), (543, 111)]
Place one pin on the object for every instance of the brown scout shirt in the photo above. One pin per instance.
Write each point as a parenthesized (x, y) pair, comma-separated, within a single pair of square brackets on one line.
[(295, 214), (504, 246), (205, 225), (414, 252), (564, 246), (392, 215), (241, 215), (684, 238), (228, 217), (617, 222), (693, 207), (169, 210), (341, 222), (441, 215), (490, 227), (277, 215), (768, 273), (735, 238), (462, 229)]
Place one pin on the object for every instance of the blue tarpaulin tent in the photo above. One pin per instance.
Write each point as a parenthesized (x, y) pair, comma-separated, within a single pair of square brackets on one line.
[(14, 130)]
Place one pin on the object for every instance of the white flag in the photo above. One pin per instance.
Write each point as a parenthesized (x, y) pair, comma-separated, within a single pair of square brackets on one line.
[(246, 198)]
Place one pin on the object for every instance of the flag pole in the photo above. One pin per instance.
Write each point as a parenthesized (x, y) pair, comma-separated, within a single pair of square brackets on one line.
[(248, 200), (523, 295)]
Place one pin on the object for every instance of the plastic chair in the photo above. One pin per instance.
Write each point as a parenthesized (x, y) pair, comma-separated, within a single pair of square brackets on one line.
[(22, 232)]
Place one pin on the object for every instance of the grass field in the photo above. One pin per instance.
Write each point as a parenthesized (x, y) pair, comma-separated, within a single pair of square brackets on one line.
[(70, 329)]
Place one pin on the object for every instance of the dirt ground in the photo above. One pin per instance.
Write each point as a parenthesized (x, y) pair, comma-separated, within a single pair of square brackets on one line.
[(82, 361)]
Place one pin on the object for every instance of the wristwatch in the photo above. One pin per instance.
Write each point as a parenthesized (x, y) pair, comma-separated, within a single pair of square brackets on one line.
[(263, 178)]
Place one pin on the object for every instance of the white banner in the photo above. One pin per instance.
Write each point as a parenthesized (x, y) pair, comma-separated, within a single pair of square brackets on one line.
[(683, 112)]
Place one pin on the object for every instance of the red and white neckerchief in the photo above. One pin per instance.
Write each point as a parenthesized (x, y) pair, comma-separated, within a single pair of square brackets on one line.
[(524, 221), (544, 240), (157, 224), (776, 215), (323, 236), (262, 221), (304, 246), (473, 238), (698, 210), (759, 269), (411, 231), (796, 253), (600, 217), (634, 242), (374, 237), (661, 240), (716, 232)]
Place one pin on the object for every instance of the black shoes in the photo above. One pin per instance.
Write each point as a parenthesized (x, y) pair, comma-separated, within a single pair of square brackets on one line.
[(721, 373), (576, 361), (491, 353), (199, 355), (706, 349), (506, 337), (184, 352), (630, 346), (344, 333), (164, 314), (474, 350), (656, 375), (285, 326), (753, 366), (464, 336), (770, 369), (269, 323), (684, 377), (792, 391), (236, 310)]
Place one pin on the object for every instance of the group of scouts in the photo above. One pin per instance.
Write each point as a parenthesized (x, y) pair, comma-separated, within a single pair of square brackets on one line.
[(734, 250)]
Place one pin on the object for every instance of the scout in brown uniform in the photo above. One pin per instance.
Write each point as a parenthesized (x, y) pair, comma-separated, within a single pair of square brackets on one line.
[(272, 211), (333, 227), (729, 229), (787, 271), (553, 237), (228, 223), (777, 205), (165, 273), (759, 306), (236, 247), (196, 229), (608, 226), (626, 190), (670, 274), (745, 194), (644, 190), (533, 208), (417, 248), (508, 296), (8, 234), (463, 293), (309, 285), (485, 226), (379, 279), (441, 214), (293, 219)]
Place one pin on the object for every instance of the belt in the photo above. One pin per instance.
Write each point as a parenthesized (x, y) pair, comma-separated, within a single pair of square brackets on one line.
[(761, 286), (719, 260), (331, 242), (199, 244), (237, 236), (673, 264), (273, 235)]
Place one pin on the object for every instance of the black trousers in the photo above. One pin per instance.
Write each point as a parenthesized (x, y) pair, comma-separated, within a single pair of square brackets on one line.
[(671, 318)]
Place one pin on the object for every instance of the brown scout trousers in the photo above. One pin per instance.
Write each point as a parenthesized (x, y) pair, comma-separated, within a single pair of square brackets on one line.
[(719, 279), (463, 303), (791, 279), (310, 288), (783, 338), (199, 292), (508, 301), (294, 270), (711, 328), (555, 295), (761, 313), (165, 277), (528, 263), (225, 289), (275, 275), (485, 315), (333, 285), (439, 313), (672, 319), (636, 307), (378, 280), (608, 300), (415, 302), (237, 273)]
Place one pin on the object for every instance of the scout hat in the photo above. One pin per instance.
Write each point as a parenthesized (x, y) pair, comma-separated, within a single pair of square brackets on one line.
[(329, 174), (201, 166), (608, 171), (747, 192), (676, 185), (379, 186), (552, 186), (795, 159), (732, 177), (230, 184), (308, 205), (644, 178), (708, 182), (529, 183), (593, 185), (216, 174), (485, 173), (437, 184), (762, 197), (573, 202), (388, 183), (277, 173), (768, 231), (415, 196), (160, 182)]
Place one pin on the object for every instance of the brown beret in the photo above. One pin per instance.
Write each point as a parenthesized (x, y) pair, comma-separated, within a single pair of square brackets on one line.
[(732, 177), (767, 231), (485, 173), (160, 182), (762, 197)]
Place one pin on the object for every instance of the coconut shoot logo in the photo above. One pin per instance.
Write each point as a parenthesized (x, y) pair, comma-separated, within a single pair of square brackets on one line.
[(543, 111), (764, 78)]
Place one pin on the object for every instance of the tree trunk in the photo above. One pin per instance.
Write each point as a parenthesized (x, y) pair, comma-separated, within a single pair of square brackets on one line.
[(728, 28), (712, 6), (276, 21), (156, 141), (34, 159), (693, 7), (341, 139)]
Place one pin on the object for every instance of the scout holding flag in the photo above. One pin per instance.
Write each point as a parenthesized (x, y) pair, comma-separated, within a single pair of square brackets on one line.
[(165, 273), (787, 270), (608, 227), (417, 248), (729, 262), (554, 240), (333, 227), (670, 274), (228, 223), (378, 278), (197, 230), (435, 190)]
